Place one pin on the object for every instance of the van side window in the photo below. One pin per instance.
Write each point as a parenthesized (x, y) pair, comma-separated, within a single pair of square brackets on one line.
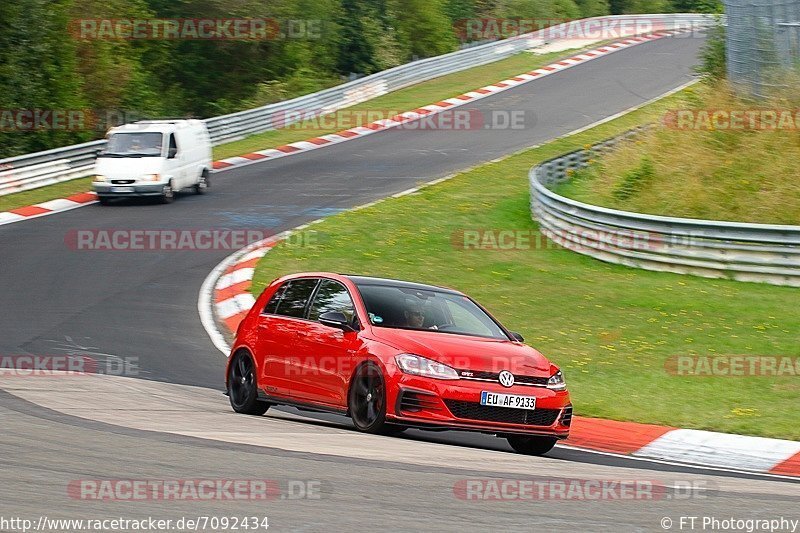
[(173, 146)]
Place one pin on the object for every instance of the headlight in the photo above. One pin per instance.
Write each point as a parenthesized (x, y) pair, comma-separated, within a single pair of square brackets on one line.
[(152, 177), (99, 178), (421, 366), (556, 382)]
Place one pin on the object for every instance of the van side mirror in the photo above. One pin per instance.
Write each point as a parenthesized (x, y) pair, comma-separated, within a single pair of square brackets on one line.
[(516, 336), (335, 319), (172, 153)]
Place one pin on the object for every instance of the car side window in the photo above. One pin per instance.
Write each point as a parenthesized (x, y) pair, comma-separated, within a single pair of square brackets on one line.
[(332, 296), (295, 297), (272, 306)]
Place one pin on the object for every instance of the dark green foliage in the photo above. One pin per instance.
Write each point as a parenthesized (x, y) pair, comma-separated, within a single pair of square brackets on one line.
[(713, 62)]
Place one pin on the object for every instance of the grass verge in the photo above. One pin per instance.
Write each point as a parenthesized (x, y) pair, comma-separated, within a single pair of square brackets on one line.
[(43, 194), (402, 100), (611, 328), (698, 169)]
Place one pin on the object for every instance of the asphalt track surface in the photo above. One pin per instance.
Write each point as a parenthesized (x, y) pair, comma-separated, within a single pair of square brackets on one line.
[(143, 305)]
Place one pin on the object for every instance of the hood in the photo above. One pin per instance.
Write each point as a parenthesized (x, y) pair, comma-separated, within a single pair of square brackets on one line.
[(127, 167), (467, 353)]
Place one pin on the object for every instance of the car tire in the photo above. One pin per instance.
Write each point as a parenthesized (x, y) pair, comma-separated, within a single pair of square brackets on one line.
[(531, 445), (104, 200), (167, 194), (203, 184), (366, 401), (243, 386)]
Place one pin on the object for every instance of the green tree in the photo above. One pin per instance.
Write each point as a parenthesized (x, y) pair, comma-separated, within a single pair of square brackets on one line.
[(38, 70), (423, 28)]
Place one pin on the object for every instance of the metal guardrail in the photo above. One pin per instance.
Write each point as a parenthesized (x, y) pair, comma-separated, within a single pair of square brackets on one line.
[(766, 253), (235, 126)]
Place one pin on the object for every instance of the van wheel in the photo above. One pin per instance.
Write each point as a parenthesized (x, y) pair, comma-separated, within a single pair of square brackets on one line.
[(204, 183), (104, 200), (167, 194)]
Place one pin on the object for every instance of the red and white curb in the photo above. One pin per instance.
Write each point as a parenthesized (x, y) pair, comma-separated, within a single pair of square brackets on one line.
[(83, 199), (47, 208), (719, 451)]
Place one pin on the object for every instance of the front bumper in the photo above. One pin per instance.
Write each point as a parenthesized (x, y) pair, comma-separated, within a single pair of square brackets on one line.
[(441, 404), (110, 190)]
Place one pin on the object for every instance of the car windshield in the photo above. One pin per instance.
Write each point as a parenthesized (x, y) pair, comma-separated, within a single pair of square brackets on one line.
[(134, 144), (427, 310)]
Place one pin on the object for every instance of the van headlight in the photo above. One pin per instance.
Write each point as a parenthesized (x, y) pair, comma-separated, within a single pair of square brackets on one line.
[(422, 366), (151, 177), (100, 178), (556, 381)]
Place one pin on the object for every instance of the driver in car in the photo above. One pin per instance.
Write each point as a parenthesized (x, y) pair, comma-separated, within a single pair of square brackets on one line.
[(414, 316)]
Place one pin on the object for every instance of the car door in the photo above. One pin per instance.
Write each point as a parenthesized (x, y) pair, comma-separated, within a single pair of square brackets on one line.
[(329, 351), (281, 326)]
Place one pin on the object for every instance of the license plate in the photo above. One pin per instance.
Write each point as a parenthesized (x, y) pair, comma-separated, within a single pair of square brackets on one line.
[(512, 401), (121, 189)]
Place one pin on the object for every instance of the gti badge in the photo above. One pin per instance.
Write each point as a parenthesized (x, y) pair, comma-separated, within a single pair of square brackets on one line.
[(506, 378)]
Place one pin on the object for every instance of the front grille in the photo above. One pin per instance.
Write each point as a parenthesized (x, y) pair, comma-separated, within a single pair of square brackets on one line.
[(495, 376), (566, 418), (414, 402), (504, 415), (123, 182)]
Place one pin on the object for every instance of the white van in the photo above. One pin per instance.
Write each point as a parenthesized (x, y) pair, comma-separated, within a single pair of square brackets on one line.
[(154, 158)]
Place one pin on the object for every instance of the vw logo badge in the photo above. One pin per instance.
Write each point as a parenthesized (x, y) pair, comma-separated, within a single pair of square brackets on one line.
[(506, 378)]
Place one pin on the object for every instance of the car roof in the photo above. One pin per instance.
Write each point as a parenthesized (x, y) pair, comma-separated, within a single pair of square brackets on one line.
[(155, 126), (386, 282)]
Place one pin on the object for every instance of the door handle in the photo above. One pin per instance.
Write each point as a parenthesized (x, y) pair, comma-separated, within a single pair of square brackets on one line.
[(302, 334), (263, 326)]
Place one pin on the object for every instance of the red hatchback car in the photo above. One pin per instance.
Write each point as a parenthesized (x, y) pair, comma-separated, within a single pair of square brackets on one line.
[(392, 355)]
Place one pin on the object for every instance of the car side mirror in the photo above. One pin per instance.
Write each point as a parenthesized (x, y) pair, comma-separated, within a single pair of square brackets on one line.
[(335, 319), (516, 336)]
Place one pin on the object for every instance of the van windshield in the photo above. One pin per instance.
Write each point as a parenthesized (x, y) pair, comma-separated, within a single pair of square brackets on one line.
[(134, 145)]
